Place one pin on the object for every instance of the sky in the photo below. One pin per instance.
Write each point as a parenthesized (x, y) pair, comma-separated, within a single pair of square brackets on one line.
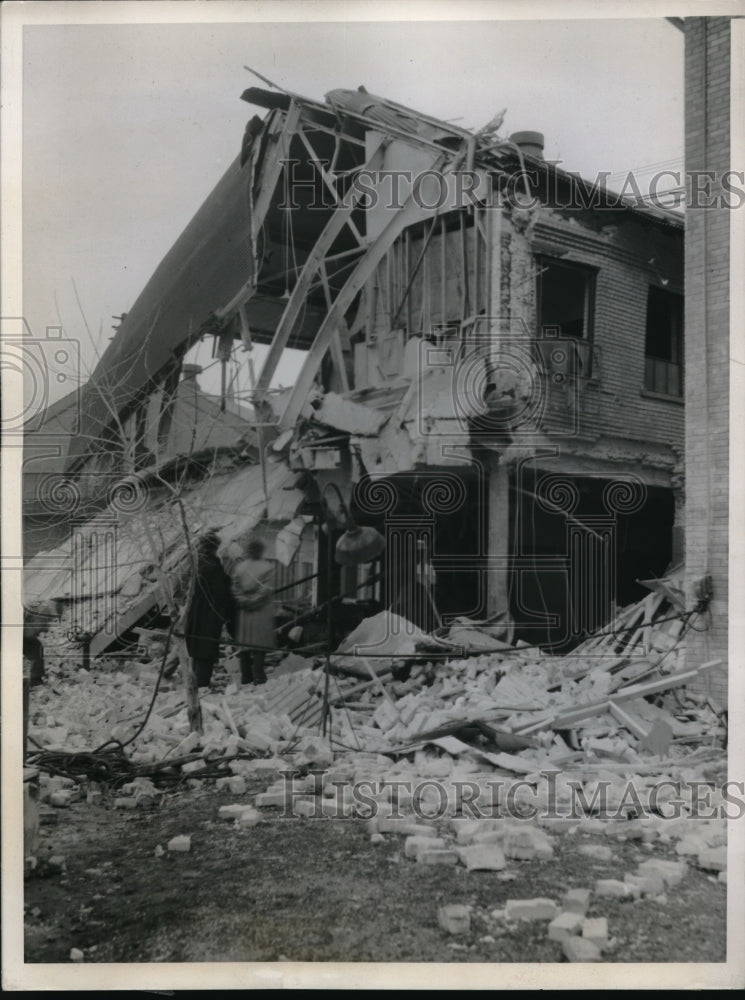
[(128, 127)]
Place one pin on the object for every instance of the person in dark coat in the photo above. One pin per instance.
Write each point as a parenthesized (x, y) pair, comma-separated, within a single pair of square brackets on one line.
[(35, 623), (210, 607)]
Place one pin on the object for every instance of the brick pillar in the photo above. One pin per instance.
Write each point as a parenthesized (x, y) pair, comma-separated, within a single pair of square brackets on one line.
[(707, 85)]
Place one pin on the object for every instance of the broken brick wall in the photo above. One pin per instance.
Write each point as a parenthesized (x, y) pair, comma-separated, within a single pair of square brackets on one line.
[(624, 257)]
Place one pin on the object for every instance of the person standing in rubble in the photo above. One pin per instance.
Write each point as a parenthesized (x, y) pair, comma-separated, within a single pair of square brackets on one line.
[(35, 622), (210, 607), (415, 599), (252, 584)]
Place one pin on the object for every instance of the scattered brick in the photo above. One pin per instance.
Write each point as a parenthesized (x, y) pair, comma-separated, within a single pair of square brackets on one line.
[(564, 926), (61, 798), (595, 929), (414, 846), (579, 949), (576, 901), (249, 817), (230, 812), (269, 799), (672, 872), (713, 859), (644, 885), (530, 909), (612, 887), (454, 918), (181, 843), (417, 830), (305, 807), (600, 852), (483, 857), (438, 857)]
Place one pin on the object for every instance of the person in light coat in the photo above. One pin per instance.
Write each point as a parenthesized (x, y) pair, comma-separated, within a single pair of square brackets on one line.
[(252, 581)]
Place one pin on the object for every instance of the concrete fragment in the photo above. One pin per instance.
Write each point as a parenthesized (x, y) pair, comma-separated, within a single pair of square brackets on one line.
[(576, 901), (413, 846), (612, 887), (530, 909), (579, 949), (595, 929), (564, 926), (599, 852), (159, 852), (376, 838), (57, 861), (483, 857), (454, 918), (76, 955), (181, 843)]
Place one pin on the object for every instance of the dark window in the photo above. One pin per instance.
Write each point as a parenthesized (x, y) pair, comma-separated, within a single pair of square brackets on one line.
[(565, 308), (663, 352)]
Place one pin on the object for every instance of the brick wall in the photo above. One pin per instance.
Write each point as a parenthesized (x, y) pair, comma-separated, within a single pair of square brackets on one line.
[(707, 84), (629, 254)]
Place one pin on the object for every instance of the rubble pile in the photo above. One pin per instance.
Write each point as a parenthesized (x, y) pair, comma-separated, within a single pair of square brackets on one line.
[(391, 689)]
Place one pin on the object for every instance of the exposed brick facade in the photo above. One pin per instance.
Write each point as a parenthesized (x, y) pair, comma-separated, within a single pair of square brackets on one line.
[(707, 102)]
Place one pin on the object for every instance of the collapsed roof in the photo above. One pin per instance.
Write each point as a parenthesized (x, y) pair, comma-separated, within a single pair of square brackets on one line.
[(247, 267)]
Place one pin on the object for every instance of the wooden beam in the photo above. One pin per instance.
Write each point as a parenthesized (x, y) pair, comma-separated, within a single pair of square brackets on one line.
[(413, 211), (569, 719), (314, 262)]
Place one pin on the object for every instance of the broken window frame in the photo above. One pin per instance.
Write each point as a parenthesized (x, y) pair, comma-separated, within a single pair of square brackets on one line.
[(583, 365), (665, 376)]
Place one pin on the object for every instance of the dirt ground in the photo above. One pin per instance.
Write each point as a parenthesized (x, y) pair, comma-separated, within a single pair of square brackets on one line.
[(318, 890)]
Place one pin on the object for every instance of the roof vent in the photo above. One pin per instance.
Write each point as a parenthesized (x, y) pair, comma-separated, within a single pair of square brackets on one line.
[(531, 143)]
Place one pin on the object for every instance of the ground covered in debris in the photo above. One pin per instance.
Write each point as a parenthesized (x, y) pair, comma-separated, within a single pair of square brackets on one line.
[(494, 805), (305, 889)]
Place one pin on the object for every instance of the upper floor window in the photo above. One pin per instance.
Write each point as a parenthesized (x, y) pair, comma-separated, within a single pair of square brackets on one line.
[(663, 352), (565, 307)]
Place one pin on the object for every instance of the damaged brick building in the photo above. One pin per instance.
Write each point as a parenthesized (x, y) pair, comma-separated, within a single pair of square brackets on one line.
[(492, 357)]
